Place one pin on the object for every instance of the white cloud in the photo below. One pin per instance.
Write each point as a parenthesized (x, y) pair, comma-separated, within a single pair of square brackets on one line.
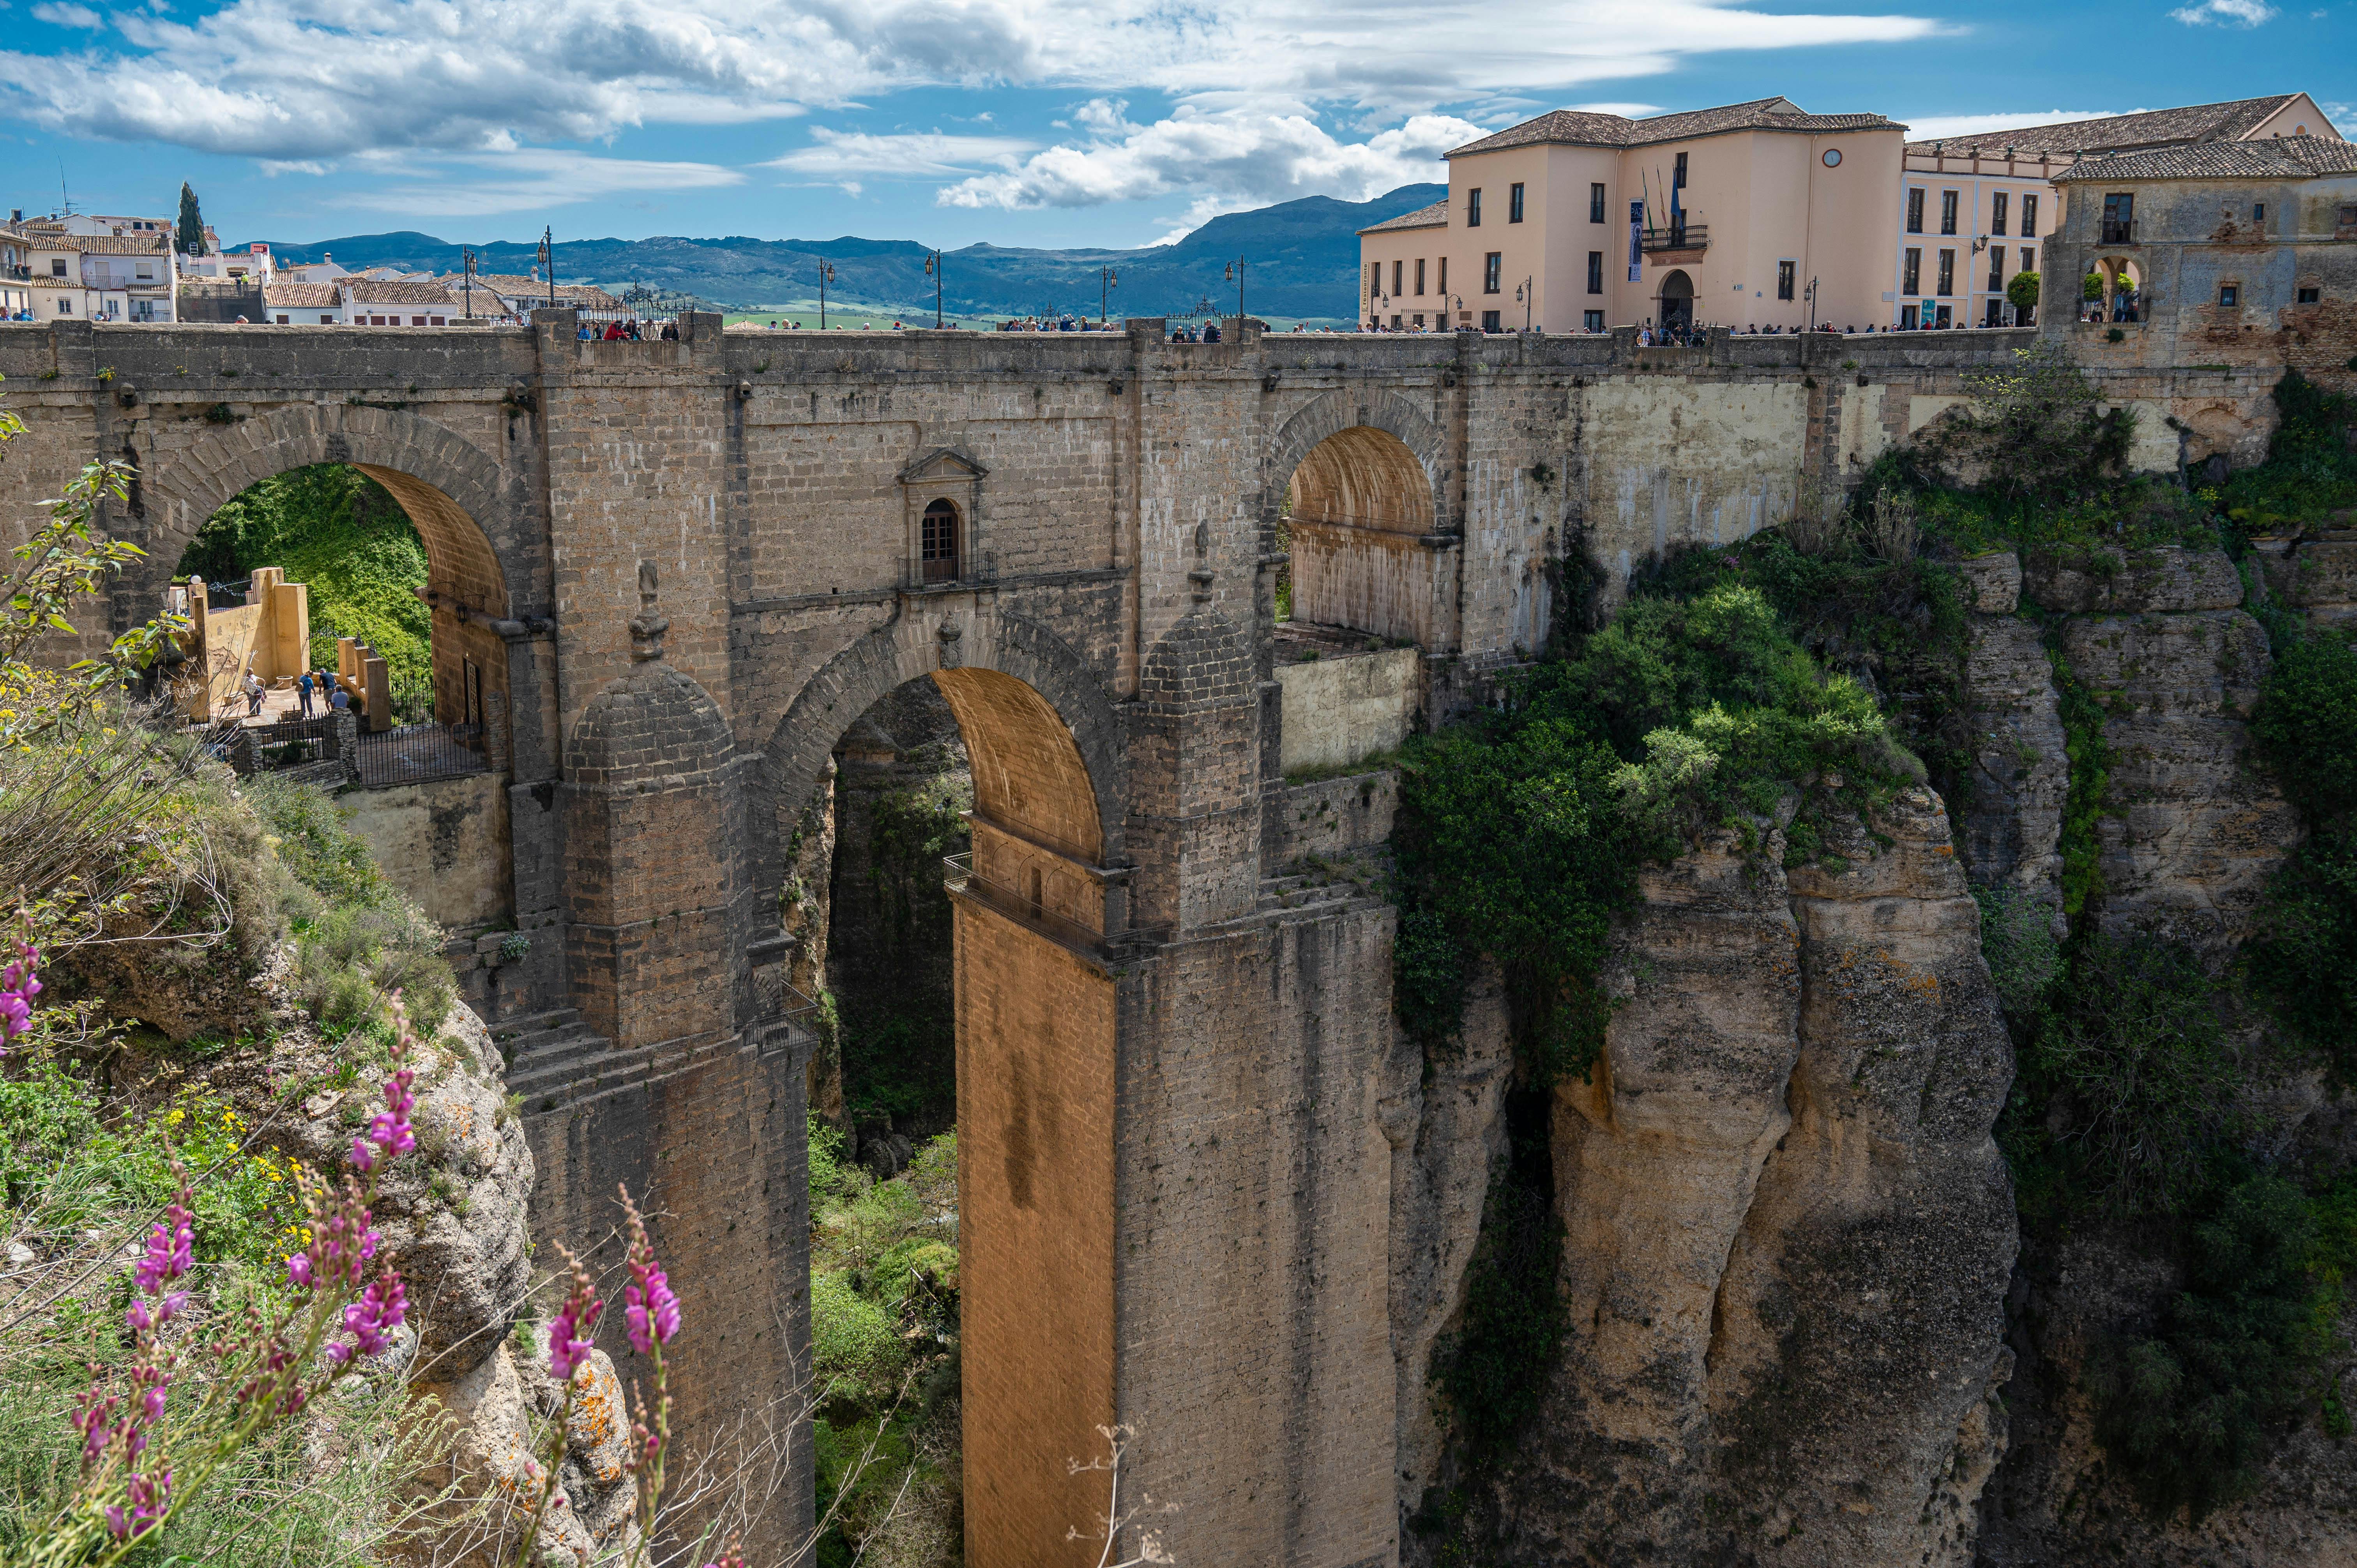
[(1238, 159), (838, 153), (532, 179), (69, 16), (2226, 12), (1945, 127), (321, 79)]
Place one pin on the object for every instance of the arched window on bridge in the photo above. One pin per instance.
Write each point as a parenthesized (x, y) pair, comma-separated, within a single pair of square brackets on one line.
[(1357, 523), (939, 547)]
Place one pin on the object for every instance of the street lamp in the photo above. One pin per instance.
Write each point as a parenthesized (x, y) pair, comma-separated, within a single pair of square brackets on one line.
[(826, 276), (548, 263), (1236, 275), (933, 271), (1811, 292), (1106, 282), (469, 283), (1524, 291)]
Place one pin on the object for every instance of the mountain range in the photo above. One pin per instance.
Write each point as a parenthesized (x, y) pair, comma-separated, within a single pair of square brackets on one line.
[(1301, 259)]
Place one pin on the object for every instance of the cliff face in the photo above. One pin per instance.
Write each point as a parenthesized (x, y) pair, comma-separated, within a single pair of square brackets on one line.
[(1788, 1229)]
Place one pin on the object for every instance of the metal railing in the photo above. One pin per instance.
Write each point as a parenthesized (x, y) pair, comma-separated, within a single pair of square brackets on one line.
[(411, 754), (939, 570), (1676, 237), (292, 742), (959, 876)]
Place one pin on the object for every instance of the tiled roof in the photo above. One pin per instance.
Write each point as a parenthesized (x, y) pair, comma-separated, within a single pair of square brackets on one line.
[(2114, 132), (515, 287), (371, 291), (1433, 217), (98, 244), (299, 295), (1579, 127), (2270, 158)]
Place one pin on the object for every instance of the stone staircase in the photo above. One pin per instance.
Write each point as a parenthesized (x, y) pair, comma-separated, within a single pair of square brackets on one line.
[(555, 1059)]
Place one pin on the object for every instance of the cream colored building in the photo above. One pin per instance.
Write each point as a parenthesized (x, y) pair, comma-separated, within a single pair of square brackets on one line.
[(1576, 221), (1973, 211)]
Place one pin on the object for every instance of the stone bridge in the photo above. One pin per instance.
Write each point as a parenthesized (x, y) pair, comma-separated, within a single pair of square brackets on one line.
[(673, 574)]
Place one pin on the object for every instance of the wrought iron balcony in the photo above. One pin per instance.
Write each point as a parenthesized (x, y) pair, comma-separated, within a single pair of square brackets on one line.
[(1676, 237)]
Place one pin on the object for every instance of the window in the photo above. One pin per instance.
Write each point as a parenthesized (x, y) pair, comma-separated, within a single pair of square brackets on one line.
[(2258, 211), (1375, 279), (938, 547), (1784, 280), (438, 321), (2348, 217), (1489, 321), (1595, 202), (1997, 212), (2308, 297), (2029, 259), (1591, 321), (2028, 214), (1947, 212), (1515, 202), (1444, 274), (1596, 272), (56, 269), (282, 321), (1996, 268), (417, 321), (327, 321), (2119, 217), (1418, 319), (2230, 294), (1947, 271), (1398, 268), (1907, 318), (1396, 321), (1419, 275), (1473, 207), (1678, 175), (65, 304), (1910, 274), (1492, 265), (1915, 210)]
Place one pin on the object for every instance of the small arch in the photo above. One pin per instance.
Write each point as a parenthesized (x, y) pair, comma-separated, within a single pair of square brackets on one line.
[(1675, 300), (1360, 529)]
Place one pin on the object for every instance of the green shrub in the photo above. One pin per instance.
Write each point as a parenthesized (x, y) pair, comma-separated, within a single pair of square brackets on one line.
[(2310, 472), (350, 960), (1494, 1370), (2018, 942), (2192, 1412), (319, 851), (2300, 955), (2133, 1074), (2306, 723), (854, 1341)]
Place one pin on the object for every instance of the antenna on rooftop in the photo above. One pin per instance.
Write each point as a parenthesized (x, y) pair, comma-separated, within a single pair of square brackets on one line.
[(65, 201)]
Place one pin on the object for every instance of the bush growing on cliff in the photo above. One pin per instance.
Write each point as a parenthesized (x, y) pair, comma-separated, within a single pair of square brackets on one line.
[(1520, 832), (2306, 734), (2310, 471)]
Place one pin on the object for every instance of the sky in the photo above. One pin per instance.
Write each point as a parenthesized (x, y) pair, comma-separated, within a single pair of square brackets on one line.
[(1045, 122)]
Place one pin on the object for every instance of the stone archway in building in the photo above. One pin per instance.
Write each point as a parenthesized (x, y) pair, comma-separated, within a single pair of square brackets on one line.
[(1036, 1000), (1675, 301)]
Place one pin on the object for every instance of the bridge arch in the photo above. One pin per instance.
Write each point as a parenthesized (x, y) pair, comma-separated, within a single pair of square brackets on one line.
[(451, 491), (1361, 474), (450, 488), (1067, 793)]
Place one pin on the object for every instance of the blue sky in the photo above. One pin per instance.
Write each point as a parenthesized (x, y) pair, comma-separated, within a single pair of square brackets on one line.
[(1060, 123)]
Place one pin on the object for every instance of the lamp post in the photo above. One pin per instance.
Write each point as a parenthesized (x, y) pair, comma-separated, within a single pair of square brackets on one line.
[(1105, 282), (1523, 292), (548, 263), (933, 271), (1812, 293), (1236, 276), (826, 276), (468, 273)]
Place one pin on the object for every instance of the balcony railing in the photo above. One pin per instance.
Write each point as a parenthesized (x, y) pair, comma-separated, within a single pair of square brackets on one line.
[(939, 570), (1676, 237), (959, 876), (2116, 230)]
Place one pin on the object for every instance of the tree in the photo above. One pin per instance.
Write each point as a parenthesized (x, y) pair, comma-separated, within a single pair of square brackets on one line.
[(2022, 291), (2091, 287), (191, 241)]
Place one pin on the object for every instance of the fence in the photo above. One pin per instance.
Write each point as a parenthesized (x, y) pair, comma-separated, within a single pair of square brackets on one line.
[(274, 749), (411, 754)]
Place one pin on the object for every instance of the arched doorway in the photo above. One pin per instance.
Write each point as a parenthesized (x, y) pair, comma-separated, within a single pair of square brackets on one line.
[(1676, 301), (1031, 904), (1358, 512)]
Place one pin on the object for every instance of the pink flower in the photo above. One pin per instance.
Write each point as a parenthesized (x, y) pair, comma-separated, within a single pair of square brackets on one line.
[(568, 1335), (169, 1248), (648, 1305), (372, 1320), (17, 989), (298, 1271)]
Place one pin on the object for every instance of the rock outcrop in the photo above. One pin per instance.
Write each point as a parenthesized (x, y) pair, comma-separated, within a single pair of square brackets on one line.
[(1788, 1229)]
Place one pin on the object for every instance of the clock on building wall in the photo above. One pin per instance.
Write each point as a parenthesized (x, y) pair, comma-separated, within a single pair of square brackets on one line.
[(1832, 158)]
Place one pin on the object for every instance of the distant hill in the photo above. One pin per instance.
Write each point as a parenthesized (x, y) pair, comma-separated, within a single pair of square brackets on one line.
[(1302, 259)]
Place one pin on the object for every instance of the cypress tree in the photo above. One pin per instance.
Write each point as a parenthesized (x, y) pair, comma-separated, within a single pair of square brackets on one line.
[(191, 237)]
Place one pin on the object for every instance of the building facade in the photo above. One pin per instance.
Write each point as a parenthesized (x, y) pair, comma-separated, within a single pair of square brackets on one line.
[(2238, 253), (1973, 210), (70, 275), (1753, 214)]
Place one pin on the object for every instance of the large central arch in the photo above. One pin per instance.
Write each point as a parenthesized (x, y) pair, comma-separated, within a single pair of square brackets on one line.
[(1037, 1008)]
